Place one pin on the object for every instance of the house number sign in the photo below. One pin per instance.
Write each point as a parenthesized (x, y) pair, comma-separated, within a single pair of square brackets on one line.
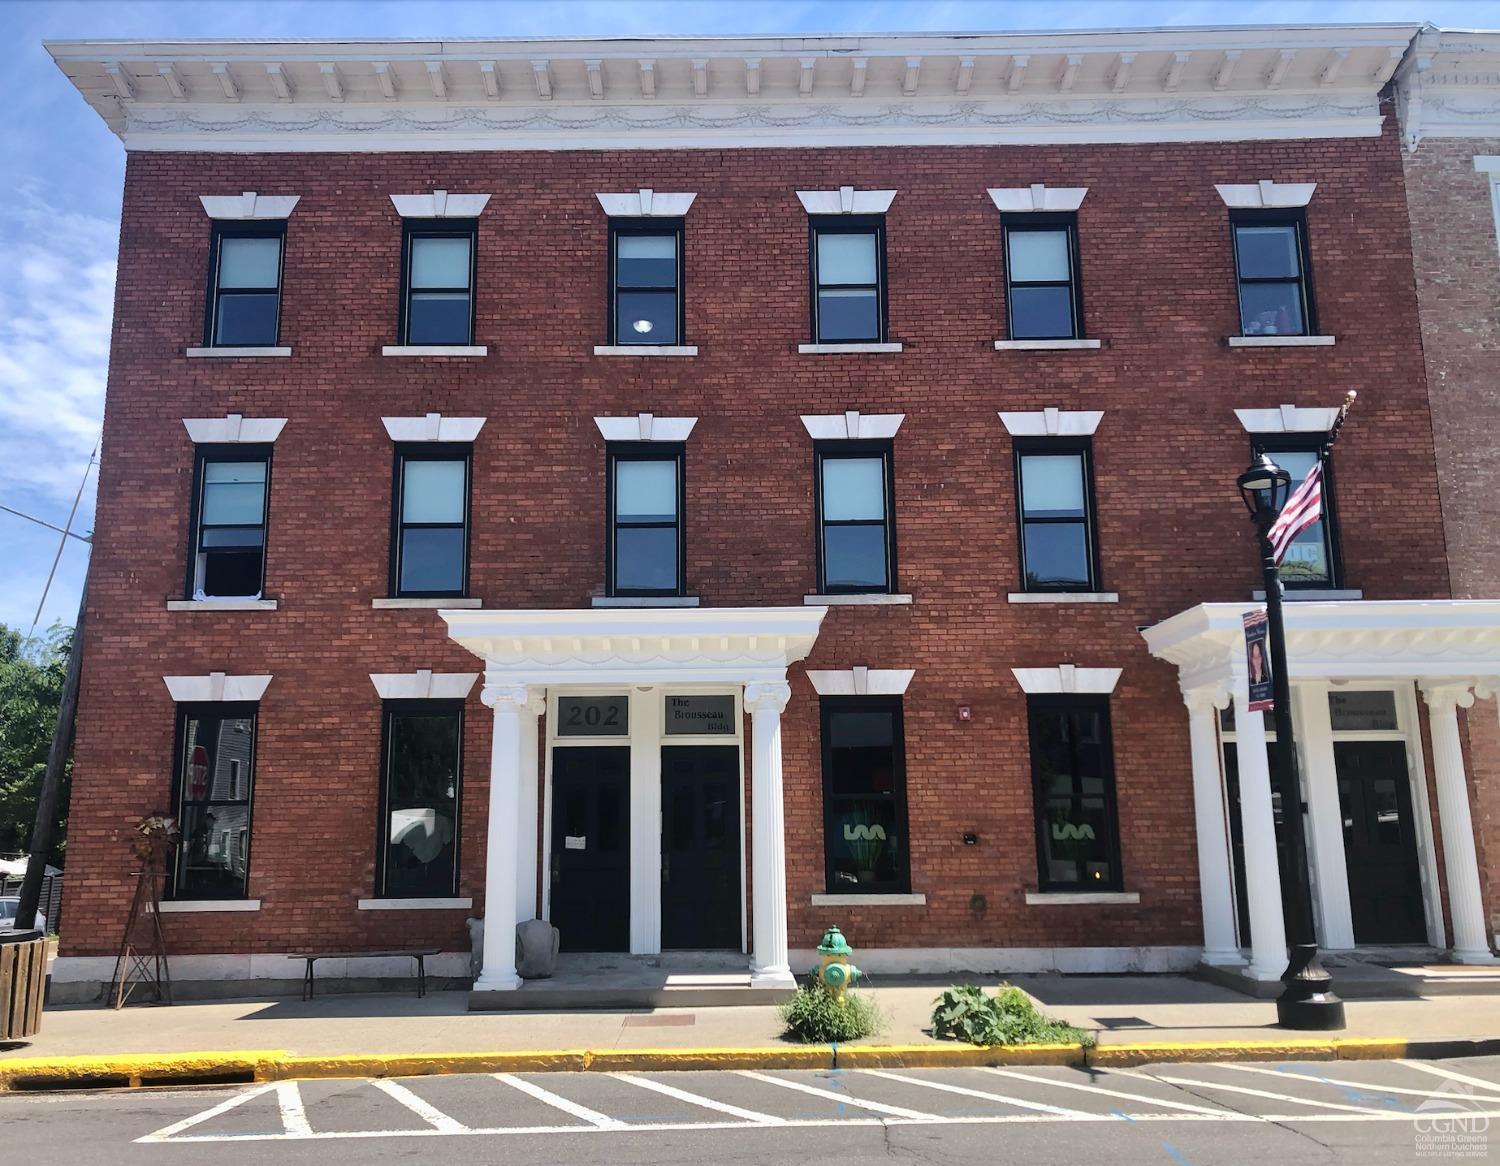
[(700, 716), (593, 716)]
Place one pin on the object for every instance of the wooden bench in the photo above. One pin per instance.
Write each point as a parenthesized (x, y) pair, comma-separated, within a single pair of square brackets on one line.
[(312, 957)]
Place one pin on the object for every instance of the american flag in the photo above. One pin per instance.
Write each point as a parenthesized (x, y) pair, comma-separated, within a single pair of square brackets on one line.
[(1302, 509)]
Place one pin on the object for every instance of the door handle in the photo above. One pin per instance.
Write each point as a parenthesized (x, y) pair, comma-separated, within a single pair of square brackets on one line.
[(666, 868), (556, 868)]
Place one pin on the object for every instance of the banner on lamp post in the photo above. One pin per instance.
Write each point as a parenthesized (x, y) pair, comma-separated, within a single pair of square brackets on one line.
[(1258, 662)]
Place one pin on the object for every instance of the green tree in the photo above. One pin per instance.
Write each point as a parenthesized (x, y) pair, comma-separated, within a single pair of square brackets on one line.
[(31, 681)]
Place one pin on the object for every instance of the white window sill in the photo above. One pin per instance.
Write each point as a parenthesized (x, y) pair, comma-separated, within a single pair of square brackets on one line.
[(451, 601), (644, 601), (916, 900), (221, 605), (435, 350), (237, 353), (859, 599), (836, 349), (457, 903), (645, 350), (1064, 597), (206, 906), (1046, 345), (1311, 595), (1278, 341), (1065, 899)]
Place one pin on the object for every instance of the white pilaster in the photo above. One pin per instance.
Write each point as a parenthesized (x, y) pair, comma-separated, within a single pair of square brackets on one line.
[(498, 972), (1258, 828), (645, 820), (526, 811), (1325, 821), (1214, 877), (769, 963), (1461, 864)]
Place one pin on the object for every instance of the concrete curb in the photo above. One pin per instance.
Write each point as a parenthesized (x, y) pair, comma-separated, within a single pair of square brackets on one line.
[(246, 1067)]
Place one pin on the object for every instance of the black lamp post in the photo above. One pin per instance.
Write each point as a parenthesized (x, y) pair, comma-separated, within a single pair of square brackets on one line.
[(1308, 1001)]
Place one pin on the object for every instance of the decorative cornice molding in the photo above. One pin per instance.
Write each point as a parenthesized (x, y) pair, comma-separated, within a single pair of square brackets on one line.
[(439, 205), (645, 427), (233, 429), (1448, 86), (216, 686), (1020, 200), (646, 204), (1051, 422), (249, 205), (433, 427), (1066, 678), (1265, 193), (423, 684), (861, 681), (853, 426)]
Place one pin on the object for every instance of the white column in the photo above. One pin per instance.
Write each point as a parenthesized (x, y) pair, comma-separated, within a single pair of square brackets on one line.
[(527, 824), (1258, 828), (1325, 820), (506, 767), (1214, 877), (1461, 864), (645, 820), (769, 964)]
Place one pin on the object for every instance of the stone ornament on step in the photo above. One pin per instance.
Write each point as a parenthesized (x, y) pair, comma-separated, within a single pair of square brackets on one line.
[(537, 944)]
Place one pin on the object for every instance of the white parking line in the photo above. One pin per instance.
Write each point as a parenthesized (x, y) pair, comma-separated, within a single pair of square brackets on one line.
[(224, 1106), (829, 1095), (433, 1116), (1100, 1089), (762, 1119), (293, 1115), (1299, 1075), (581, 1112), (1264, 1093), (1452, 1075), (964, 1092)]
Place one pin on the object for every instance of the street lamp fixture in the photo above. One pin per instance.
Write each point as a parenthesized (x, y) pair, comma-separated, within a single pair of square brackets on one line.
[(1308, 1001)]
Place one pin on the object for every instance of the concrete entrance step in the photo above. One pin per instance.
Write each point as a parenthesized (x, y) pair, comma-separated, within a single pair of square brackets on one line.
[(611, 981), (1357, 979)]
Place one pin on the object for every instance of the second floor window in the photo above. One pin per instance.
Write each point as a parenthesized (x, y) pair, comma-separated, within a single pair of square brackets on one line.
[(244, 307), (646, 283), (437, 300), (645, 503), (1270, 258), (229, 522), (1055, 498), (848, 262), (214, 777), (430, 545), (1042, 298), (1313, 559), (856, 531)]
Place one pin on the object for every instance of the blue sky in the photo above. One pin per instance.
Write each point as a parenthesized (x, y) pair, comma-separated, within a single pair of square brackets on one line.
[(60, 198)]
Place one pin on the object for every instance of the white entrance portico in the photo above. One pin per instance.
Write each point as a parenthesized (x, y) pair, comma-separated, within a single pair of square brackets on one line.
[(644, 655), (1446, 650)]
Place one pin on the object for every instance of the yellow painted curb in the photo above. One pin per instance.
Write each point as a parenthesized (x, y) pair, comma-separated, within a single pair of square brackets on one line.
[(646, 1060), (131, 1070), (1325, 1049), (289, 1067), (937, 1056), (1380, 1048)]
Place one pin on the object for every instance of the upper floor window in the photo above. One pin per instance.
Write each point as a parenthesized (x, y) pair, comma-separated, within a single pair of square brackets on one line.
[(214, 777), (645, 503), (645, 282), (420, 799), (864, 796), (244, 301), (1270, 258), (1313, 559), (1042, 296), (1073, 782), (437, 295), (848, 275), (856, 529), (1055, 491), (430, 543), (229, 521)]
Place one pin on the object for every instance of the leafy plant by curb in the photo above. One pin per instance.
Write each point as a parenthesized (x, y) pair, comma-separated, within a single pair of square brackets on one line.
[(1009, 1017), (814, 1014)]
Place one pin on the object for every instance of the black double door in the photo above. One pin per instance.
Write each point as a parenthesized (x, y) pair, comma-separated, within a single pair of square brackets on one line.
[(1380, 842), (700, 847), (590, 872)]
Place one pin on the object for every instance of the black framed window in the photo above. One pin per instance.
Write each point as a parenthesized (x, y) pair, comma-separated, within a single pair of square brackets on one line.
[(1043, 297), (231, 489), (1314, 559), (244, 287), (848, 277), (645, 264), (1270, 259), (1073, 784), (420, 796), (855, 493), (1055, 498), (437, 281), (430, 535), (213, 780), (864, 796), (645, 505)]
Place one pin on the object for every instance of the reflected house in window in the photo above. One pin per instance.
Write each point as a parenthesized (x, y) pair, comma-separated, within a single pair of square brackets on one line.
[(214, 780), (420, 799)]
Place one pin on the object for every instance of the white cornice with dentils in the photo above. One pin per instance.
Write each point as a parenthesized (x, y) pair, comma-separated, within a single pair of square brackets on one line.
[(1448, 86), (1154, 85)]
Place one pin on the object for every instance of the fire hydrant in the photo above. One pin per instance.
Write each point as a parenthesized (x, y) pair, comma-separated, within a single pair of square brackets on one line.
[(835, 972)]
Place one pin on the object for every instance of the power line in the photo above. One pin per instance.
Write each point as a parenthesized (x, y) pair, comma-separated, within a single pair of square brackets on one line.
[(62, 542)]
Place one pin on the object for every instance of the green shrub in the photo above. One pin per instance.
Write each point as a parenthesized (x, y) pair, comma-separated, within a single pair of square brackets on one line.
[(814, 1014), (1008, 1018)]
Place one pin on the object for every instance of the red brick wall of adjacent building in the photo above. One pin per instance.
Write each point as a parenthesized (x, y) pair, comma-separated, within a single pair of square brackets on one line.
[(1158, 287), (1457, 264)]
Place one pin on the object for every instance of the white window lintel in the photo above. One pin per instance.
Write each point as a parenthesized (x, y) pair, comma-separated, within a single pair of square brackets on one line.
[(646, 204), (645, 427), (861, 681), (433, 427), (439, 205), (234, 429), (852, 425), (216, 686), (423, 684), (1287, 419), (1265, 194), (1020, 200), (249, 205), (1052, 422), (846, 201), (1067, 678)]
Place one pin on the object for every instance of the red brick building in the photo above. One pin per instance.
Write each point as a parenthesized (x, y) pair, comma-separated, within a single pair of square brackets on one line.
[(695, 492)]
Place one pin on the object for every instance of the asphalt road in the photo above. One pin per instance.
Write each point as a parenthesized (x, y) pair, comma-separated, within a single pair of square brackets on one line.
[(1166, 1115)]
